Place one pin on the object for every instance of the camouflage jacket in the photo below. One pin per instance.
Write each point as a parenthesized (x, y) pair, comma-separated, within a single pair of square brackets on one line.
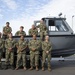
[(46, 46), (21, 46), (20, 33), (33, 31), (34, 44), (10, 44), (7, 30), (42, 27)]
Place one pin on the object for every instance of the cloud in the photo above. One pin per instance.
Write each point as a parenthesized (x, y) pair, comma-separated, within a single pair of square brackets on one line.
[(67, 7), (32, 6), (15, 24), (11, 4), (52, 7), (1, 16)]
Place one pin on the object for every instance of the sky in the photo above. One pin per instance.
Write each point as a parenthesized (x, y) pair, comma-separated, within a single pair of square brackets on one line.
[(25, 12)]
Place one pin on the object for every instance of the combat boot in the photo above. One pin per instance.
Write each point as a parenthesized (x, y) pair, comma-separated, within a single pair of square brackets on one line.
[(43, 68), (49, 69), (25, 68), (16, 68), (31, 68), (37, 68)]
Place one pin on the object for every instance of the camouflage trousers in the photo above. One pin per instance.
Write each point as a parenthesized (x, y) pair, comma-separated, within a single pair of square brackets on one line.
[(42, 34), (1, 53), (9, 55), (48, 56), (0, 58), (19, 56), (34, 58)]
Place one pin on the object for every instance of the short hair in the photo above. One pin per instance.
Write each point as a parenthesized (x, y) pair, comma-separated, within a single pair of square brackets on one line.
[(7, 23), (21, 27), (46, 36)]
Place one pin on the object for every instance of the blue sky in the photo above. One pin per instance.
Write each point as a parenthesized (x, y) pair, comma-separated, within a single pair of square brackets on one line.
[(11, 9), (24, 12)]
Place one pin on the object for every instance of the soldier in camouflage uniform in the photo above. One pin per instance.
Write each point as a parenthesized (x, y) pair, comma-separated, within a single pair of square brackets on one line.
[(33, 30), (20, 32), (1, 49), (43, 29), (46, 47), (34, 46), (21, 52), (10, 45), (6, 30)]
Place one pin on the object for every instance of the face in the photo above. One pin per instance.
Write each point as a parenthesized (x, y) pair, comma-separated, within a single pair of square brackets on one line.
[(22, 38), (41, 21), (46, 37), (10, 35), (7, 24), (34, 37), (21, 29), (33, 26)]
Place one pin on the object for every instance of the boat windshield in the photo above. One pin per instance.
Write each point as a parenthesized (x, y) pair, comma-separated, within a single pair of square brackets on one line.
[(57, 25)]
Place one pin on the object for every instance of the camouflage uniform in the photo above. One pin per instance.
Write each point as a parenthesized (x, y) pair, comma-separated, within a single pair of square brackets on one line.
[(6, 31), (34, 55), (33, 31), (46, 46), (20, 33), (21, 52), (1, 47), (43, 30), (1, 50), (10, 54)]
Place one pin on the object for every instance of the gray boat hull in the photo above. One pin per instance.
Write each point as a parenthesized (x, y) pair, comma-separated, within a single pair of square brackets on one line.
[(62, 45)]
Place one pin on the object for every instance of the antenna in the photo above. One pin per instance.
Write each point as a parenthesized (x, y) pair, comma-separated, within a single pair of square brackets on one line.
[(60, 14), (72, 21)]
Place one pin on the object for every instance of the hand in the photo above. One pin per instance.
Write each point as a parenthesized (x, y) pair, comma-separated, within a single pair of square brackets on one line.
[(47, 52), (10, 49), (19, 50), (33, 49)]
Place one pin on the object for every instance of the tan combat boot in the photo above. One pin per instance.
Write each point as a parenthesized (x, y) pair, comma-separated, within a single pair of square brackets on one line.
[(25, 68), (16, 68), (37, 68), (43, 68), (49, 69), (31, 68)]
